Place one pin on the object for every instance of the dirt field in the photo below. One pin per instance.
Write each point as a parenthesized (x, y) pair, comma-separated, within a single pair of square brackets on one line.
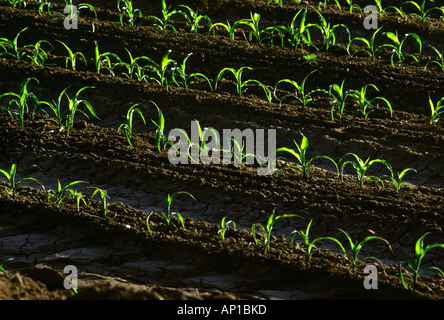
[(115, 255)]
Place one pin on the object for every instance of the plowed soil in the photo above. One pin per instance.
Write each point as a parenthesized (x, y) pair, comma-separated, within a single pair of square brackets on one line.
[(115, 255)]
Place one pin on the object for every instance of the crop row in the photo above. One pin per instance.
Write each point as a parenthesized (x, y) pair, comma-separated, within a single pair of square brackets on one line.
[(296, 34), (262, 238), (65, 113)]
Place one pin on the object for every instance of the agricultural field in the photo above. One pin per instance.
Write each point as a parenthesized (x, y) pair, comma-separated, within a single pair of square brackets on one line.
[(98, 98)]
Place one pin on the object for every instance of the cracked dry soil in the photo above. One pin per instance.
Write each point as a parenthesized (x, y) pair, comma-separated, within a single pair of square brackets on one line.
[(115, 255)]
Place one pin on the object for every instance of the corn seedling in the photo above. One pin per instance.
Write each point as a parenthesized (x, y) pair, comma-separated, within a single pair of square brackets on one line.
[(161, 139), (183, 79), (72, 56), (439, 62), (67, 117), (17, 52), (228, 27), (43, 4), (78, 196), (300, 155), (253, 23), (161, 69), (134, 69), (362, 167), (103, 60), (397, 45), (73, 9), (21, 101), (311, 59), (16, 3), (169, 214), (371, 49), (241, 84), (339, 96), (352, 6), (324, 4), (300, 94), (436, 110), (422, 9), (357, 246), (164, 21), (328, 32), (2, 269), (39, 55), (194, 18), (310, 245), (267, 230), (398, 182), (364, 103), (128, 126), (61, 193), (237, 152), (103, 198), (125, 7), (14, 185), (224, 226), (295, 34), (420, 252)]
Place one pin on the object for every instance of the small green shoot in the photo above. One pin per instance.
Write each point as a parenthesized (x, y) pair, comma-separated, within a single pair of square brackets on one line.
[(14, 185), (420, 252), (169, 214), (224, 226), (267, 230), (128, 126)]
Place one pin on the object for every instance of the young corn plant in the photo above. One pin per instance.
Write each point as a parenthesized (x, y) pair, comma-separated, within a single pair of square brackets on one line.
[(183, 79), (194, 18), (14, 185), (267, 230), (436, 110), (2, 269), (61, 193), (295, 34), (399, 181), (65, 118), (371, 49), (77, 196), (240, 90), (161, 138), (16, 3), (128, 126), (300, 93), (39, 55), (356, 247), (328, 32), (235, 151), (231, 29), (16, 51), (103, 198), (339, 97), (163, 22), (362, 167), (224, 224), (72, 56), (364, 103), (103, 60), (126, 8), (21, 101), (415, 265), (161, 69), (253, 23), (397, 46), (133, 67), (422, 10), (310, 245), (300, 155), (168, 215), (439, 61)]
